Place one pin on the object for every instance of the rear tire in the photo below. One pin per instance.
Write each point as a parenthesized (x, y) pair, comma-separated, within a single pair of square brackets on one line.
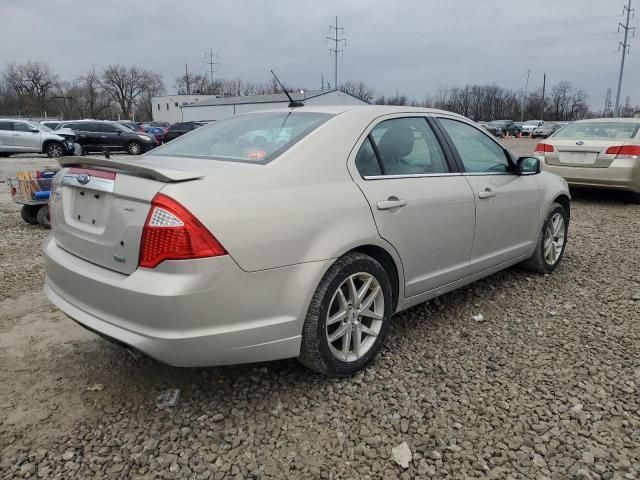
[(134, 148), (333, 311), (29, 214), (549, 249), (43, 217), (633, 198)]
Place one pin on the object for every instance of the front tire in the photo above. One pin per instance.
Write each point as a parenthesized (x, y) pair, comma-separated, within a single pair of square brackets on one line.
[(54, 150), (134, 148), (348, 318), (552, 241)]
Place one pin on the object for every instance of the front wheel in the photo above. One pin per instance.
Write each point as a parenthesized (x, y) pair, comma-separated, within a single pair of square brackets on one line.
[(55, 150), (348, 318), (134, 148), (552, 241)]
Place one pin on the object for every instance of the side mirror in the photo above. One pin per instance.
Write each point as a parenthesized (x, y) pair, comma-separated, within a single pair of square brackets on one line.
[(119, 132), (35, 130), (528, 166)]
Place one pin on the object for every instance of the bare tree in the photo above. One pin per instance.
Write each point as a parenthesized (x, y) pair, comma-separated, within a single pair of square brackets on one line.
[(31, 82), (359, 90), (124, 85)]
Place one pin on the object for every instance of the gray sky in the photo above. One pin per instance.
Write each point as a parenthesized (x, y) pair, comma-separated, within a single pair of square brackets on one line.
[(410, 45)]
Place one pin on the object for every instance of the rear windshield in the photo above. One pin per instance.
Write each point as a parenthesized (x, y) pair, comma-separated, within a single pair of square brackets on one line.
[(250, 138), (599, 131)]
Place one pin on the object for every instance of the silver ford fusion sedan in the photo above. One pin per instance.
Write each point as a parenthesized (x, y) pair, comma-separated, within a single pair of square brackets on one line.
[(293, 233)]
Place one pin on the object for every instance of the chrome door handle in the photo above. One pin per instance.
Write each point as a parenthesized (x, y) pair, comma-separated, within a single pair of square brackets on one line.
[(486, 193), (391, 202)]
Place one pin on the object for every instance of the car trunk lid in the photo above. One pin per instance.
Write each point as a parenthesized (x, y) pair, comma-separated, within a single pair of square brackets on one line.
[(99, 206), (582, 153)]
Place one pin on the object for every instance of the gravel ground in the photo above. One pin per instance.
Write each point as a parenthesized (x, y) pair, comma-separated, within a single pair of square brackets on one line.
[(545, 387)]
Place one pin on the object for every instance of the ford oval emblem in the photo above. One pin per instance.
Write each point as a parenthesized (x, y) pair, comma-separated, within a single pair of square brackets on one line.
[(579, 142), (83, 179)]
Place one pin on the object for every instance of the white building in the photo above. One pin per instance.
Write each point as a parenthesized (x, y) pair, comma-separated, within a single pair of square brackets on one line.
[(168, 108), (217, 108)]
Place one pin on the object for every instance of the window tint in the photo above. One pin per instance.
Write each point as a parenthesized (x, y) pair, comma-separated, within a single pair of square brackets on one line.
[(21, 127), (6, 126), (107, 128), (477, 151), (366, 160), (408, 146)]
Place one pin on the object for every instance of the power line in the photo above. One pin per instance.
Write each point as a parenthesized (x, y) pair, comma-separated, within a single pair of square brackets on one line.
[(336, 50), (625, 50)]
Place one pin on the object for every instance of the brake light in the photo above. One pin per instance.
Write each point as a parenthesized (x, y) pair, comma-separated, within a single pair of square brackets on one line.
[(624, 151), (543, 148), (171, 232)]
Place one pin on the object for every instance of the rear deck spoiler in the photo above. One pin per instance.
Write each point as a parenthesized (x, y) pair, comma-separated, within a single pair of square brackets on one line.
[(162, 174)]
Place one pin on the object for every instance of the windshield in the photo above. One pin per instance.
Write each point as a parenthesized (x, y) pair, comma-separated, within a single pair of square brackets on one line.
[(600, 131), (251, 138), (43, 128), (498, 123)]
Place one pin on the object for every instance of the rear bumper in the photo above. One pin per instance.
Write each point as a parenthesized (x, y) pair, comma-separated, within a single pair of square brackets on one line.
[(622, 174), (188, 313)]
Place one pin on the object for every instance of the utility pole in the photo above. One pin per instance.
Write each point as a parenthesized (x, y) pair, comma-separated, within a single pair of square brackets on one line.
[(210, 59), (524, 98), (186, 79), (335, 51), (625, 50), (544, 84)]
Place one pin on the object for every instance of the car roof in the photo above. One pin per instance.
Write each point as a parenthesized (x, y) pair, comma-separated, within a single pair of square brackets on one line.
[(362, 112)]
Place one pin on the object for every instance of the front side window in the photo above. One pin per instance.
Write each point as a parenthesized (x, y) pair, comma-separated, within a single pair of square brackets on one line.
[(408, 146), (21, 127), (107, 128), (478, 152), (250, 138)]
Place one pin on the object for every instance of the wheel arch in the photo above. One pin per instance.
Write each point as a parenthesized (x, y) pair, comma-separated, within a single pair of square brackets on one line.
[(48, 142), (564, 200), (389, 264)]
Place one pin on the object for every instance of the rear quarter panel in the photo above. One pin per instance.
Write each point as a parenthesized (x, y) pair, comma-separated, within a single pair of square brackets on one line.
[(301, 207)]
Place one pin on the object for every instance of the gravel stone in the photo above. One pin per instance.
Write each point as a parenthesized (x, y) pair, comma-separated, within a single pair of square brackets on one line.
[(527, 393), (401, 454)]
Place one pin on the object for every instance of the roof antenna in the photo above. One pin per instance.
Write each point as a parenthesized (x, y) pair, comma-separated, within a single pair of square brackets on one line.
[(292, 103)]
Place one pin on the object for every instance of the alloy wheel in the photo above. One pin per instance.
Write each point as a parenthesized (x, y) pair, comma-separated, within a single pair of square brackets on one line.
[(554, 239), (355, 317), (55, 150)]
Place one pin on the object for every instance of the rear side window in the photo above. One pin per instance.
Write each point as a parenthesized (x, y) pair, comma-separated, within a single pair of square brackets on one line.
[(408, 146), (250, 138), (478, 152), (7, 126)]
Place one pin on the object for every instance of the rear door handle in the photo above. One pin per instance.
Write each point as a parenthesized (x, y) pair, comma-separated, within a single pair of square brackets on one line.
[(486, 193), (390, 203)]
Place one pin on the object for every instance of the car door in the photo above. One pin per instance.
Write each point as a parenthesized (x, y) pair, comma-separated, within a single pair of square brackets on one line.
[(110, 136), (507, 205), (421, 205), (25, 139), (6, 136)]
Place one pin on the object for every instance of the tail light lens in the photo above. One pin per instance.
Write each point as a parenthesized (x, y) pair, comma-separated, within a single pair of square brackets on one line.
[(543, 148), (171, 232), (624, 151)]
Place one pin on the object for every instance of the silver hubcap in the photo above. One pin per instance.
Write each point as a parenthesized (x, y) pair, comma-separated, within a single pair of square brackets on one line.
[(55, 151), (554, 239), (134, 148), (355, 317)]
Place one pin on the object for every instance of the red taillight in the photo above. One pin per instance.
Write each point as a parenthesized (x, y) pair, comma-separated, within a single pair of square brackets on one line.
[(171, 232), (624, 151), (543, 148)]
